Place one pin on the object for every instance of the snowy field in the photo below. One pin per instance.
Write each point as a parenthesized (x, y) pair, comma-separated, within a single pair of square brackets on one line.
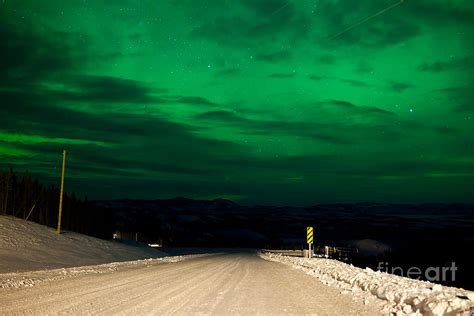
[(394, 294), (27, 246)]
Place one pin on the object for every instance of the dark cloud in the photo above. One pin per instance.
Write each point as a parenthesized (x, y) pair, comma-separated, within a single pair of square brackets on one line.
[(466, 107), (355, 83), (274, 56), (378, 36), (391, 28), (352, 82), (106, 89), (107, 160), (191, 100), (267, 127), (264, 22), (364, 68), (225, 116), (391, 85), (385, 165), (104, 142), (133, 138), (110, 89), (125, 141), (30, 57), (282, 75), (43, 114), (355, 108), (400, 24), (326, 59), (464, 63), (388, 122), (337, 164), (440, 12), (318, 78), (426, 166), (462, 96), (228, 72), (399, 86), (445, 130), (267, 7), (26, 56), (341, 133), (92, 59)]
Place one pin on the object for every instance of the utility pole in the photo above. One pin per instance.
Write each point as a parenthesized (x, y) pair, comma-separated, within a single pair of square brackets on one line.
[(7, 191), (61, 192)]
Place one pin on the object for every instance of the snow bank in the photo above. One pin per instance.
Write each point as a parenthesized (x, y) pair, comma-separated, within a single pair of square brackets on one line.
[(400, 295), (32, 278), (27, 246)]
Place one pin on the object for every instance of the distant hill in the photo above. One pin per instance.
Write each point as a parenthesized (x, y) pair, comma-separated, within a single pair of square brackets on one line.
[(405, 234), (204, 220)]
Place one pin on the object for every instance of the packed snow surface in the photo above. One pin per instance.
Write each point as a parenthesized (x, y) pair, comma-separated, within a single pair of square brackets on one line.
[(232, 283), (27, 246), (396, 295)]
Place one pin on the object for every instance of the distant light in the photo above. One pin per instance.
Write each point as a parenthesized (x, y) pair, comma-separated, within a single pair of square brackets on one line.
[(411, 110)]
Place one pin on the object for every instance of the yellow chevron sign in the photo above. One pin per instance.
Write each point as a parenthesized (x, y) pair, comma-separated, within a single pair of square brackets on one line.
[(309, 235)]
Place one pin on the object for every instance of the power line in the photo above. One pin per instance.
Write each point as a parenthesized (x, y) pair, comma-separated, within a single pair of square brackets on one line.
[(366, 19), (280, 8)]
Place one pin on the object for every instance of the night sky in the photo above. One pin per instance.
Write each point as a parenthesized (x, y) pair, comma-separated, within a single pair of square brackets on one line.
[(258, 101)]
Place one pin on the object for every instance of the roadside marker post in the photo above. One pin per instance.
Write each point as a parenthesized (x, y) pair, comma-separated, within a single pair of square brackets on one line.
[(309, 240)]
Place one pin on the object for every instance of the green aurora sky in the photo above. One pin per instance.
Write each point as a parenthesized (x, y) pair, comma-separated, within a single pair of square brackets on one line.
[(254, 101)]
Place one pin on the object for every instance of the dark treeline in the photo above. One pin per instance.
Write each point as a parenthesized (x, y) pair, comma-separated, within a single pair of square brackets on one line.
[(27, 198)]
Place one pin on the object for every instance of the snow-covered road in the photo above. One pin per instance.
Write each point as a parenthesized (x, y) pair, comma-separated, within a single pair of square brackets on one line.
[(232, 283)]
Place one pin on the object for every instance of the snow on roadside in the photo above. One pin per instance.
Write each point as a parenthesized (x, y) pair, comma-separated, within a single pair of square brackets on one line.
[(27, 246), (32, 278), (399, 295)]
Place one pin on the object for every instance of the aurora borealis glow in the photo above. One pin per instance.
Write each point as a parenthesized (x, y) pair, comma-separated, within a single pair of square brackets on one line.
[(249, 100)]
